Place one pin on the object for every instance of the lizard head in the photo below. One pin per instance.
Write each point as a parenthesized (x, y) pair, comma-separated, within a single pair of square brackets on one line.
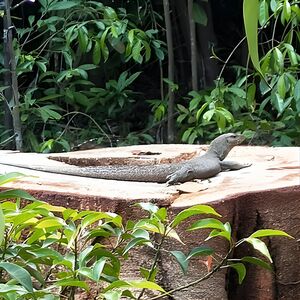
[(222, 145)]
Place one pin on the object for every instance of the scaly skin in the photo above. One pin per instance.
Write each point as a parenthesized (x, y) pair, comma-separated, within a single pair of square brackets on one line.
[(201, 167)]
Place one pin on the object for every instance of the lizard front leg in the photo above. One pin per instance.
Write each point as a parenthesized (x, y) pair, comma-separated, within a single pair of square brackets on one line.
[(233, 165), (182, 175)]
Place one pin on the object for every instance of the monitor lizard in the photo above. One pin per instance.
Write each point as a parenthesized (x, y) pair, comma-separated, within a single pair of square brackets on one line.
[(200, 167)]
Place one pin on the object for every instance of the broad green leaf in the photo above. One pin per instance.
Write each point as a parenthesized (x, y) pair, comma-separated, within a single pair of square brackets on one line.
[(192, 211), (286, 10), (97, 52), (215, 233), (173, 234), (240, 269), (112, 295), (46, 252), (87, 272), (72, 282), (181, 259), (269, 232), (263, 12), (144, 284), (9, 288), (49, 222), (251, 96), (200, 251), (297, 91), (250, 13), (149, 225), (136, 51), (208, 115), (132, 78), (199, 14), (50, 97), (98, 268), (259, 246), (279, 59), (10, 177), (135, 242), (82, 39), (200, 111), (150, 207), (140, 284), (257, 261), (146, 273), (87, 67), (2, 226), (207, 223), (16, 194), (62, 5), (278, 102), (19, 274)]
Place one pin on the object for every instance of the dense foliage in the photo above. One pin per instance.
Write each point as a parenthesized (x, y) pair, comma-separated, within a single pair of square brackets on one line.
[(97, 69), (51, 252)]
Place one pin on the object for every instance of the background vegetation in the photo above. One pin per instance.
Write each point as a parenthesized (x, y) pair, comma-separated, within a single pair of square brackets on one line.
[(124, 72)]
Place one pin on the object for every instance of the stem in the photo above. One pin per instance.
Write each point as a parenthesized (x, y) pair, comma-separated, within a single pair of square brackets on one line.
[(155, 260), (206, 276)]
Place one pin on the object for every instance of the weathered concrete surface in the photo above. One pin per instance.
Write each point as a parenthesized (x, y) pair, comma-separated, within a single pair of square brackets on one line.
[(266, 195)]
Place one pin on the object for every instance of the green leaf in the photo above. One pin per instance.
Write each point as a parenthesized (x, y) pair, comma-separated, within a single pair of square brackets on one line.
[(181, 259), (136, 52), (281, 88), (279, 59), (19, 274), (215, 233), (87, 67), (269, 232), (97, 52), (208, 115), (286, 10), (73, 282), (240, 269), (144, 284), (199, 14), (42, 66), (192, 211), (5, 289), (263, 12), (112, 295), (257, 261), (49, 222), (200, 251), (132, 78), (62, 5), (2, 226), (50, 97), (297, 91), (150, 207), (207, 223), (259, 246), (98, 268), (250, 13), (135, 242), (16, 194), (82, 39), (10, 177), (251, 96)]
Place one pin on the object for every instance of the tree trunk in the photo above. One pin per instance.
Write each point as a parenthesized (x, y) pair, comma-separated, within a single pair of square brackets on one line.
[(171, 100), (12, 93), (193, 43)]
